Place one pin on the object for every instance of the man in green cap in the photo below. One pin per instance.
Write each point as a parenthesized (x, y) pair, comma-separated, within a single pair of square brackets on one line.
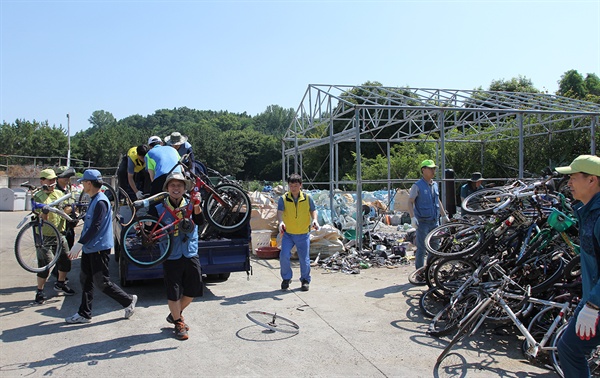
[(48, 194), (426, 209), (581, 336)]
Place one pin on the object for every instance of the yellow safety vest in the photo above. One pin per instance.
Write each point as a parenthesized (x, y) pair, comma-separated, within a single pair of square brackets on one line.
[(296, 215), (137, 163)]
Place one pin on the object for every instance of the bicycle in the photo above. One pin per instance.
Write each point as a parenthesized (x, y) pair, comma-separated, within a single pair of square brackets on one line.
[(475, 318), (147, 241), (37, 245), (273, 322), (226, 206)]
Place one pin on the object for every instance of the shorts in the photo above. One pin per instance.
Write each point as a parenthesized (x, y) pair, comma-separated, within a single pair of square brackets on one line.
[(63, 263), (183, 277)]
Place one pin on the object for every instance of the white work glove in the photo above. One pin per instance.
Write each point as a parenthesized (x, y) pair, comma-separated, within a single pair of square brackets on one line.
[(414, 222), (281, 227), (445, 219), (587, 320), (315, 224), (139, 194), (74, 252)]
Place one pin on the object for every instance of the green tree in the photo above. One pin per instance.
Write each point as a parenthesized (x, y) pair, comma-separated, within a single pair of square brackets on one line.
[(571, 85)]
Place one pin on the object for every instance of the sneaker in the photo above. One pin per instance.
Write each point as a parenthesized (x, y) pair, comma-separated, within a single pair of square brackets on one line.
[(180, 330), (285, 284), (419, 278), (129, 310), (77, 319), (62, 287), (304, 286), (40, 297), (172, 321)]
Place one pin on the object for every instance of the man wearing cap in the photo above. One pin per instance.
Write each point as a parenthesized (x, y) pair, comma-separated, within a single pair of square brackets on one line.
[(426, 208), (160, 160), (182, 273), (180, 143), (132, 173), (63, 183), (96, 242), (47, 195), (472, 186), (581, 336)]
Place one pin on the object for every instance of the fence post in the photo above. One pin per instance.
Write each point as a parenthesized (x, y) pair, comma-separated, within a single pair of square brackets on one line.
[(450, 192)]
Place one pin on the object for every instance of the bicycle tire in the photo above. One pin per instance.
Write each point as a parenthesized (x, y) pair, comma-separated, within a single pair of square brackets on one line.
[(448, 320), (466, 327), (229, 218), (450, 274), (126, 216), (540, 272), (432, 302), (485, 201), (33, 249), (414, 277), (454, 239), (142, 245), (273, 322)]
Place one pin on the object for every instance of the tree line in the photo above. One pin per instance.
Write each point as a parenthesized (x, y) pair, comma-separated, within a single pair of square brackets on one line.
[(249, 147)]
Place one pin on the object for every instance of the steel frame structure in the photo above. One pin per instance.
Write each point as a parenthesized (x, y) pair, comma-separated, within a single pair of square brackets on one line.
[(332, 114)]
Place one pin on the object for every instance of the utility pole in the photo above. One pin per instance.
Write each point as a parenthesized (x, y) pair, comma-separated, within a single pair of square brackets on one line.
[(69, 140)]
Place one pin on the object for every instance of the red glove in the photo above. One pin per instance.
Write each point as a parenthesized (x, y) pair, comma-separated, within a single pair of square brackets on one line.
[(196, 199)]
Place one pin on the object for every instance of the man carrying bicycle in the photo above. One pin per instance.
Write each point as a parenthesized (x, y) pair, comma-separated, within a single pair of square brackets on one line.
[(581, 336), (48, 194), (182, 273)]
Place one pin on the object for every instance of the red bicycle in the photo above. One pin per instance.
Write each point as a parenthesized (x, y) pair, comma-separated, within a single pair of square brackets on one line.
[(148, 241)]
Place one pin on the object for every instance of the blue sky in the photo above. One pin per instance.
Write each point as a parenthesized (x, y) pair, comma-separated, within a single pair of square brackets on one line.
[(135, 57)]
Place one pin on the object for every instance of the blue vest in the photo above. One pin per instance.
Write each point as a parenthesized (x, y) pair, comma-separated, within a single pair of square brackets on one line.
[(104, 238), (589, 238), (427, 204), (184, 244), (165, 157)]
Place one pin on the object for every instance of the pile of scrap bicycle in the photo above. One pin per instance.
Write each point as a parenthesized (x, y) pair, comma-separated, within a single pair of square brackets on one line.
[(512, 259)]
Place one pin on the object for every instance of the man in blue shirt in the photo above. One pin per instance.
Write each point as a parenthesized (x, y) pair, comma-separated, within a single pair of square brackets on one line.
[(96, 241), (471, 186), (426, 208), (581, 337), (160, 160)]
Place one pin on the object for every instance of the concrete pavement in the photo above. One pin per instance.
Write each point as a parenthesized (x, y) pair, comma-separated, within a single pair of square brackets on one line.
[(365, 325)]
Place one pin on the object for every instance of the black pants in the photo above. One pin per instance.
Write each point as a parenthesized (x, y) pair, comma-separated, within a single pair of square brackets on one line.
[(94, 272)]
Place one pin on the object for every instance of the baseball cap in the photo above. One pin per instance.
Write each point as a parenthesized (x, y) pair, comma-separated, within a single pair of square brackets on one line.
[(48, 174), (153, 140), (428, 163), (91, 175), (64, 172), (589, 164)]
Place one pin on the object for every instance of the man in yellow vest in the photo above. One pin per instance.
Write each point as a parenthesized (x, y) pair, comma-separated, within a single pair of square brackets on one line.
[(131, 172), (296, 214)]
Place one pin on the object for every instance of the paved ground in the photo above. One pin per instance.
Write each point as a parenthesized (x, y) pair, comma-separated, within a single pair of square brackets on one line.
[(366, 325)]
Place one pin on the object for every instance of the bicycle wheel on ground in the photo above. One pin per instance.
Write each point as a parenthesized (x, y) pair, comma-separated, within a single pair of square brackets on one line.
[(454, 239), (450, 274), (485, 201), (465, 328), (432, 302), (146, 242), (38, 251), (273, 322), (447, 320), (229, 213)]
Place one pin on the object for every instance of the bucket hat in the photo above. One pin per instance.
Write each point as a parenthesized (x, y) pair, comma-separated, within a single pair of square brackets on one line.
[(476, 176), (589, 164), (175, 139), (177, 176)]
